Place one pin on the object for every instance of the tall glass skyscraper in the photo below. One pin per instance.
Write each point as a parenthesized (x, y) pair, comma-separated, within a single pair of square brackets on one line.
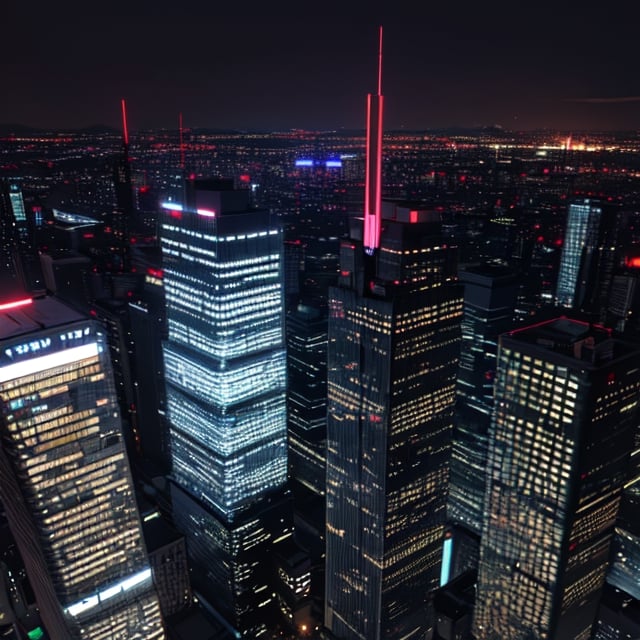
[(64, 476), (225, 370), (489, 301), (589, 257), (583, 220), (394, 337), (566, 401)]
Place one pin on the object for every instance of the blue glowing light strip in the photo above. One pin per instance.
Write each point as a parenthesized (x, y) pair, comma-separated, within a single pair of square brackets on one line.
[(447, 552)]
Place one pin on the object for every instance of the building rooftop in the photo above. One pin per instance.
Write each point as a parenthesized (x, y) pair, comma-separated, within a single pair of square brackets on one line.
[(24, 315), (573, 339)]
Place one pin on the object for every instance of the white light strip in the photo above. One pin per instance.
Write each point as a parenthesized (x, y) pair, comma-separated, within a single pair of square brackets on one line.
[(109, 592), (42, 363), (83, 605), (174, 206)]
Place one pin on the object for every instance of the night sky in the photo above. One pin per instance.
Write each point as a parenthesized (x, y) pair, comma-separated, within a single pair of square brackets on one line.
[(308, 64)]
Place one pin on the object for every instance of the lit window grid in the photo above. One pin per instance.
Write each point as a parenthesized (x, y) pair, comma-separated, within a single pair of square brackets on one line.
[(625, 563), (531, 463), (236, 291), (580, 218), (229, 485), (373, 323), (75, 476), (226, 433), (227, 554), (224, 387)]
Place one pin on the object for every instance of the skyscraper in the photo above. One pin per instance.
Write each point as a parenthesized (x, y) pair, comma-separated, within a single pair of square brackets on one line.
[(119, 223), (394, 333), (588, 257), (64, 476), (489, 301), (15, 245), (566, 398), (307, 420), (225, 371)]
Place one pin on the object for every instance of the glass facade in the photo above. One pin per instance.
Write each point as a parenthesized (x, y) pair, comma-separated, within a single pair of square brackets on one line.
[(624, 570), (307, 398), (67, 486), (225, 371), (583, 220), (392, 363), (489, 300), (566, 398)]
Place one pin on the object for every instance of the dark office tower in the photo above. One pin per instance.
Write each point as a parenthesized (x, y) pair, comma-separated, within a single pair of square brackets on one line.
[(489, 299), (119, 224), (225, 369), (392, 364), (453, 604), (624, 568), (307, 425), (169, 566), (623, 307), (307, 398), (566, 396), (64, 477), (14, 239), (618, 616), (394, 336), (588, 256), (147, 331)]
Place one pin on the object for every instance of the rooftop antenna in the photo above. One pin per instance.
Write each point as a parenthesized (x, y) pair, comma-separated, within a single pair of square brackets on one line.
[(373, 178), (181, 142), (125, 130)]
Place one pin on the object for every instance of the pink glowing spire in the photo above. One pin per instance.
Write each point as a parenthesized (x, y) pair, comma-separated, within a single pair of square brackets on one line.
[(125, 130), (373, 178)]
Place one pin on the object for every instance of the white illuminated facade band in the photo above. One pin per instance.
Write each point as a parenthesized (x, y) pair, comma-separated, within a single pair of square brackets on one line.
[(62, 451), (225, 359), (225, 372)]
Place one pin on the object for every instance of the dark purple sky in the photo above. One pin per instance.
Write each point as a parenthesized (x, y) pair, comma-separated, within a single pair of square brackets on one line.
[(309, 64)]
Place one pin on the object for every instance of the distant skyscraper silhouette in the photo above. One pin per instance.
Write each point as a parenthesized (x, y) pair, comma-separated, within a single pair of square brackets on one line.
[(14, 239), (120, 222), (566, 397), (225, 370), (64, 477)]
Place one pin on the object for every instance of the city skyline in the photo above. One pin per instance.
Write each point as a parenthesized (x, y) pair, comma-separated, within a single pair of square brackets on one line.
[(292, 66)]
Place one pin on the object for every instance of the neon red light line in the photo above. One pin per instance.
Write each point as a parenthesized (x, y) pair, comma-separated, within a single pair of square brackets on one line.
[(380, 64), (373, 176), (15, 303), (125, 129)]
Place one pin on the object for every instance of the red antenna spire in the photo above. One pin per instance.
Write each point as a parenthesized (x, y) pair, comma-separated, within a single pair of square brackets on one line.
[(125, 130), (380, 64), (373, 178), (181, 142)]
